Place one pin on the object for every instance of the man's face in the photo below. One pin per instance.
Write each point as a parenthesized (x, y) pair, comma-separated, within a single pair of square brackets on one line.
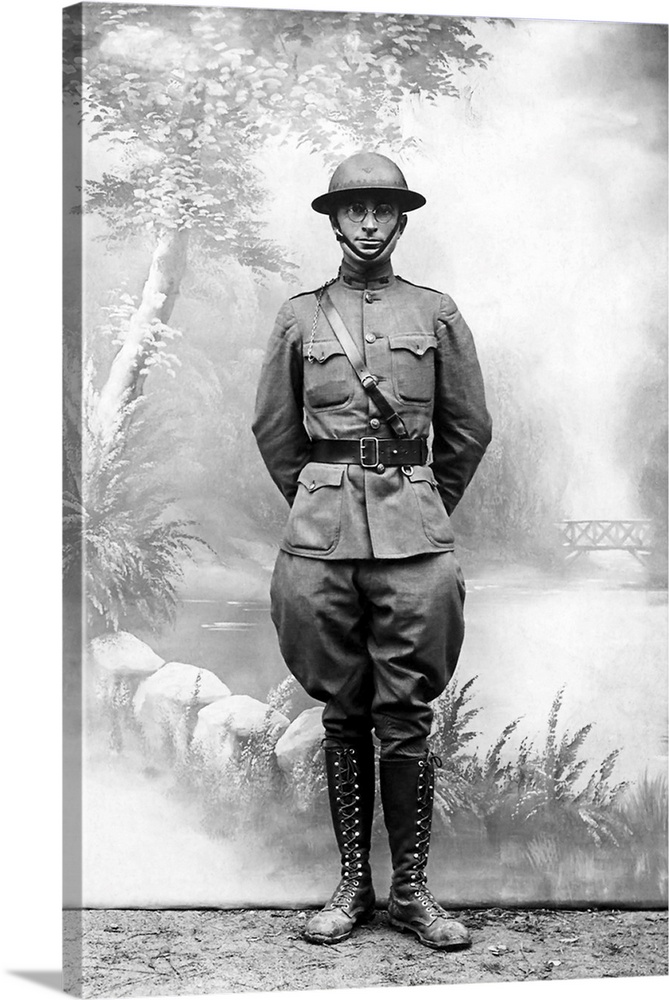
[(367, 221)]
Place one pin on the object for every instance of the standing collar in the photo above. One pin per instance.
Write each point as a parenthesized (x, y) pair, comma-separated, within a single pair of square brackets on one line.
[(373, 277)]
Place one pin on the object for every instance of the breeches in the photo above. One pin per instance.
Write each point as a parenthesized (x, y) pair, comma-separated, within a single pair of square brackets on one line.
[(376, 640)]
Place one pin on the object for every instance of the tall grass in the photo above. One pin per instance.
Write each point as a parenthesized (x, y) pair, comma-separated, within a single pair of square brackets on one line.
[(645, 810)]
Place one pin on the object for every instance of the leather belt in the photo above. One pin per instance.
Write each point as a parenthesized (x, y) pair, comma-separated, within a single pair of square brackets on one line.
[(370, 452)]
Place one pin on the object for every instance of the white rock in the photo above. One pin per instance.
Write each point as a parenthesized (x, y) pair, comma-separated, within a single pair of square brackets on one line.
[(166, 706), (115, 664), (301, 739), (181, 684), (123, 653), (224, 725)]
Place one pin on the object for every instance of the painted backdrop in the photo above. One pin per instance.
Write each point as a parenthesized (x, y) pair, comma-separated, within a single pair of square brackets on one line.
[(541, 148)]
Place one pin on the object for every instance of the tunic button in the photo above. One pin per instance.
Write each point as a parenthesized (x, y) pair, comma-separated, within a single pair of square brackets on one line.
[(370, 338), (369, 297), (380, 469), (311, 487), (374, 423)]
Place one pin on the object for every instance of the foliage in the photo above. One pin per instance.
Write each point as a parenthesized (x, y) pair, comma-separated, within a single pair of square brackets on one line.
[(646, 811), (645, 807), (448, 741), (119, 714), (238, 794), (535, 795), (538, 792), (307, 785), (118, 313), (190, 95), (549, 835), (530, 792), (282, 697), (117, 527)]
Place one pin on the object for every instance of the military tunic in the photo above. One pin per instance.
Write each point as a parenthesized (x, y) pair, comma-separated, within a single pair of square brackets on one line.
[(367, 595), (418, 345)]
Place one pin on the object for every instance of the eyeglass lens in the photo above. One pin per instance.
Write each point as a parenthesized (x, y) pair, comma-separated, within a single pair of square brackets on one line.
[(357, 212)]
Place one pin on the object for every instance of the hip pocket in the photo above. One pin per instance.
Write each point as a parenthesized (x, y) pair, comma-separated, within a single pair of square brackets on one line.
[(315, 516), (436, 522)]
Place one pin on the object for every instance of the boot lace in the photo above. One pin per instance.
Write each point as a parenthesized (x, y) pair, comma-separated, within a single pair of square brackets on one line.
[(345, 892), (425, 797), (347, 790)]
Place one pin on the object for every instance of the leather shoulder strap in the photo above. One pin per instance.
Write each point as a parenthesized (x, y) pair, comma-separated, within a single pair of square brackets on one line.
[(369, 382)]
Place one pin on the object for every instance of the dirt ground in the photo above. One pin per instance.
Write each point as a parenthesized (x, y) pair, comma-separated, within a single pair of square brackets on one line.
[(177, 952)]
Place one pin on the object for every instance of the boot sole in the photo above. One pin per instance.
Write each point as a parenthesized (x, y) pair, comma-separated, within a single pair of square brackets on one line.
[(321, 939), (406, 929)]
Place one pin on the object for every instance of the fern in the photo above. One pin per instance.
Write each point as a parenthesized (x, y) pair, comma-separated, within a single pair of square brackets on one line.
[(281, 698), (550, 799), (535, 792), (116, 524), (451, 719)]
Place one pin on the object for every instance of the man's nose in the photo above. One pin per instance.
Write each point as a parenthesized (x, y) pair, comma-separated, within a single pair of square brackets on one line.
[(369, 223)]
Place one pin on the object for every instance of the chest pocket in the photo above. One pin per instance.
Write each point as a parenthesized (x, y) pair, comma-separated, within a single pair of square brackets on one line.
[(413, 357), (328, 378)]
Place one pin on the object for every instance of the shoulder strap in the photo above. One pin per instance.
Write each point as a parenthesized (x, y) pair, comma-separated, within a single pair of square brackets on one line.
[(369, 382)]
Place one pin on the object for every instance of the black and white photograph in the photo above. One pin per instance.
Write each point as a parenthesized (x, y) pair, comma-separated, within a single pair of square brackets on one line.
[(364, 499)]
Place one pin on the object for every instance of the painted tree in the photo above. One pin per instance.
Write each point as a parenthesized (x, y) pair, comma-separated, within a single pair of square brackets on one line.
[(185, 98)]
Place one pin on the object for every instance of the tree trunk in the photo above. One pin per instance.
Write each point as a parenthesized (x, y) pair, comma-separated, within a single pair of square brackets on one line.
[(128, 369)]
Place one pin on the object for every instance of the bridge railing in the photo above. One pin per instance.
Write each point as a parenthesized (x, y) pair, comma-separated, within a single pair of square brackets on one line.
[(630, 535)]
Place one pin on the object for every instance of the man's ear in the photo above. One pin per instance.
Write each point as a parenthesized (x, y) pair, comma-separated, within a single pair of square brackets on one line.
[(335, 226), (403, 224)]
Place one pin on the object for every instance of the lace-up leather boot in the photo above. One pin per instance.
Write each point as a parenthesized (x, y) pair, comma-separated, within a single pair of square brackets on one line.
[(350, 773), (407, 794)]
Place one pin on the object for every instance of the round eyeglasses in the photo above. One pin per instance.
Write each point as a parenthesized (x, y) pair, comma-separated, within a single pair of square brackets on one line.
[(358, 212)]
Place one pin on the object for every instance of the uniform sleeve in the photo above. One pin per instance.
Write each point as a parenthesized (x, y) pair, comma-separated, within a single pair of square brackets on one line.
[(462, 425), (278, 424)]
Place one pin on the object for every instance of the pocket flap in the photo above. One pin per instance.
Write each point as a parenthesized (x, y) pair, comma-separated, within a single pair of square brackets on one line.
[(321, 350), (417, 343), (316, 474), (421, 474)]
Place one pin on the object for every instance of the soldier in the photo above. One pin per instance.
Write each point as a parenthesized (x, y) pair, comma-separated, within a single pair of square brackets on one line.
[(367, 595)]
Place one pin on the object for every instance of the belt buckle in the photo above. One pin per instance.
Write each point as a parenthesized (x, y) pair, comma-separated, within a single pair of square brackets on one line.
[(365, 444)]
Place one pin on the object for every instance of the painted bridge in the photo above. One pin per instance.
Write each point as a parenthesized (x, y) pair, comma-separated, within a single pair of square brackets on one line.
[(579, 537)]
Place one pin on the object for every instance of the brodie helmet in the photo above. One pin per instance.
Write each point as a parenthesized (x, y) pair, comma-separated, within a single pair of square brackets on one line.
[(368, 172)]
